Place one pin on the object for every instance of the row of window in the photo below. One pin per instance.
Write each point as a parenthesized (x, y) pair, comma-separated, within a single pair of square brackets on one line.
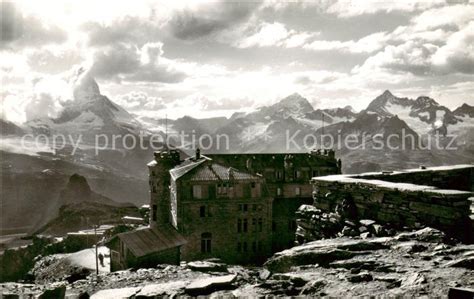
[(257, 246), (206, 245), (297, 191), (205, 211), (245, 207), (243, 225), (223, 189), (297, 174)]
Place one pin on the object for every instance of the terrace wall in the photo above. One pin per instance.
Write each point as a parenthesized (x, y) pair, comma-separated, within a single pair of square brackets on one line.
[(400, 204)]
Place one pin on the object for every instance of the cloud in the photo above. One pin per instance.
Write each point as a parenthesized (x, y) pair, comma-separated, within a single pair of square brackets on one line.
[(127, 63), (274, 34), (53, 60), (437, 42), (347, 9), (267, 35), (128, 29), (367, 44), (18, 31), (457, 55), (44, 98), (209, 18), (447, 17), (139, 100), (412, 57)]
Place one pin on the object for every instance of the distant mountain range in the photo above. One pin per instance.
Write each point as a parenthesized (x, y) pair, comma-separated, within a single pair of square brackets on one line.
[(121, 174)]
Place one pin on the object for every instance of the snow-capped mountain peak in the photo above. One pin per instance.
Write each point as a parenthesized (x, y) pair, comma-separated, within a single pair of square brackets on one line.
[(293, 105), (89, 112), (85, 88)]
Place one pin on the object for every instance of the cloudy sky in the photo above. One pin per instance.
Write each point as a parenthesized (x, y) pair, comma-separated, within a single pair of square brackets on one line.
[(207, 58)]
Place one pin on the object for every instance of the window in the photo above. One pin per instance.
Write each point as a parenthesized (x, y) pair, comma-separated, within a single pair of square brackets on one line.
[(254, 224), (239, 225), (252, 185), (206, 242), (242, 225), (239, 247), (254, 207), (297, 191), (278, 174), (222, 189), (205, 211), (278, 191), (243, 207), (153, 214), (197, 191), (245, 226), (297, 174), (259, 246), (260, 224)]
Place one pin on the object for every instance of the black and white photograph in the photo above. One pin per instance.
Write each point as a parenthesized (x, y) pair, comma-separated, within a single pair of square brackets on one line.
[(236, 149)]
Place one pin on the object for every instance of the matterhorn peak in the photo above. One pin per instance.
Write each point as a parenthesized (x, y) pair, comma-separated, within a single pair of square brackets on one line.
[(84, 86)]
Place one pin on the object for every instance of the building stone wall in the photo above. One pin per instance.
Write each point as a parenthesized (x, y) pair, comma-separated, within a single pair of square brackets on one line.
[(287, 177), (218, 219), (159, 180), (459, 177), (282, 184), (401, 204)]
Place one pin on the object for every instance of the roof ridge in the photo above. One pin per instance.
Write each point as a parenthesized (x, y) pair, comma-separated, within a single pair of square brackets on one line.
[(214, 172)]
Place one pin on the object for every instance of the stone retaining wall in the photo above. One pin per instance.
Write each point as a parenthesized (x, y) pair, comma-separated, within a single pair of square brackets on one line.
[(401, 204)]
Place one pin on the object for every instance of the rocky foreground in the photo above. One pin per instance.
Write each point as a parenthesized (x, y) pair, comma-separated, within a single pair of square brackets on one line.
[(419, 263)]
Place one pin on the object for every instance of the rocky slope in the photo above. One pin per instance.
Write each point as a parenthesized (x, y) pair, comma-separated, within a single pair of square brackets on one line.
[(412, 264), (78, 207)]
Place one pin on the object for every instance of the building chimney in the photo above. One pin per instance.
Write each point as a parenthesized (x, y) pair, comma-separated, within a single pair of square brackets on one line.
[(198, 154)]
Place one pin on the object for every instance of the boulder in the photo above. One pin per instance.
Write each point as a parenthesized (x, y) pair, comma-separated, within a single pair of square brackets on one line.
[(464, 262), (116, 293), (54, 293), (360, 277), (427, 234), (460, 293), (264, 274), (207, 286), (354, 264), (413, 280), (366, 222), (313, 287), (161, 289), (284, 262), (207, 266)]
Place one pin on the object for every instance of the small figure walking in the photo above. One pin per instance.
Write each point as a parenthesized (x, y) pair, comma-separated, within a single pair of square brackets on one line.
[(101, 260)]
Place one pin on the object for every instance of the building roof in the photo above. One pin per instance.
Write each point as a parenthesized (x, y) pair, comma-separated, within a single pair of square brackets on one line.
[(186, 166), (216, 172), (205, 169), (145, 241)]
